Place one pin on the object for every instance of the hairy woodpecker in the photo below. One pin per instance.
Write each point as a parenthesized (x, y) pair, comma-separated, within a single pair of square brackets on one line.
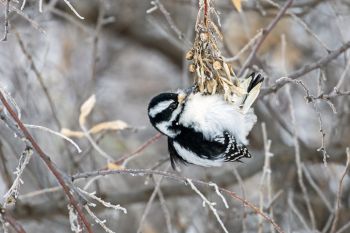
[(203, 129)]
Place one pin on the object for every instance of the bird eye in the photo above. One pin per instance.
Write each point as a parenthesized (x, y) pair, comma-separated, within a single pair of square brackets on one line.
[(173, 106)]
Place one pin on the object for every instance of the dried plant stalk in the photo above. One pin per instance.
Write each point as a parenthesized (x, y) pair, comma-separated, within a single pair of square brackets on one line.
[(212, 74)]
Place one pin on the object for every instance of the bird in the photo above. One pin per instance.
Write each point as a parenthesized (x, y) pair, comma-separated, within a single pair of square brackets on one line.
[(205, 129)]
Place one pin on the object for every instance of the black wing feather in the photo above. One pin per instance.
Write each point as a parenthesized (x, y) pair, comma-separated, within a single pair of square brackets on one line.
[(198, 144), (235, 151), (222, 146), (256, 79), (174, 156)]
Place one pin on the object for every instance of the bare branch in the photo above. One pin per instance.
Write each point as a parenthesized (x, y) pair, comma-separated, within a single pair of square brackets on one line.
[(306, 69), (58, 174), (298, 161), (340, 190), (265, 32)]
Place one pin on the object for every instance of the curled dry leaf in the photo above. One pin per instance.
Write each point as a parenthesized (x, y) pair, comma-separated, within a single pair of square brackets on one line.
[(86, 109), (217, 65), (110, 125), (212, 74), (72, 134), (113, 166), (189, 55), (237, 4)]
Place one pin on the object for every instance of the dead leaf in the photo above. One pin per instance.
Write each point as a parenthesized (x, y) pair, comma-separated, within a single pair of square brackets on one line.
[(71, 133), (237, 4), (113, 166), (110, 125), (86, 109)]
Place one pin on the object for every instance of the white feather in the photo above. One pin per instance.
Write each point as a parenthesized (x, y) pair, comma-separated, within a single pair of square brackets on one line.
[(252, 95), (211, 115), (195, 159), (160, 107), (164, 128)]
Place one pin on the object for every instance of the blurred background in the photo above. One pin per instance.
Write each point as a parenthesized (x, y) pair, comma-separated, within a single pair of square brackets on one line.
[(127, 51)]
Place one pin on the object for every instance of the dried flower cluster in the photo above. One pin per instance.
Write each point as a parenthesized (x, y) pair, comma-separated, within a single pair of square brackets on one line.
[(213, 74)]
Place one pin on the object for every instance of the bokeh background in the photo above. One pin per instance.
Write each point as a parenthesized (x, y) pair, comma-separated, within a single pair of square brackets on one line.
[(52, 62)]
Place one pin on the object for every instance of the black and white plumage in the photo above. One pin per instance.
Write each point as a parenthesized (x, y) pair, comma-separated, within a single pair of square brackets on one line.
[(206, 130)]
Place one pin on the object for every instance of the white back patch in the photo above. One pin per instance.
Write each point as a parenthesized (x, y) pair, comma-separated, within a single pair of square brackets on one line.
[(160, 107), (193, 158), (211, 115)]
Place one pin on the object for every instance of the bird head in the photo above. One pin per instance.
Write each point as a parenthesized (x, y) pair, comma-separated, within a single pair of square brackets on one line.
[(164, 110)]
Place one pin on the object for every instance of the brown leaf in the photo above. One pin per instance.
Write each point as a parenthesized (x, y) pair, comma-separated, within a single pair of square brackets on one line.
[(110, 125), (237, 4), (71, 133), (113, 166), (86, 109)]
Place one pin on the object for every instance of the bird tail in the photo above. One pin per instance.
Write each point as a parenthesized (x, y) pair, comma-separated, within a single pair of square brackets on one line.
[(252, 85)]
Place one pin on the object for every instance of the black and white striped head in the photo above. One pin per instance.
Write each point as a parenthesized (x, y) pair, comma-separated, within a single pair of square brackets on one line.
[(164, 110)]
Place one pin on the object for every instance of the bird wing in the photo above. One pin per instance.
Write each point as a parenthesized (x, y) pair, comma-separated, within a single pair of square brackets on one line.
[(211, 114), (174, 156), (235, 151), (192, 147)]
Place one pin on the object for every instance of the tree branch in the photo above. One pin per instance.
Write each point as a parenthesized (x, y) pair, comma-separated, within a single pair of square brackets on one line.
[(265, 32), (47, 161), (306, 69)]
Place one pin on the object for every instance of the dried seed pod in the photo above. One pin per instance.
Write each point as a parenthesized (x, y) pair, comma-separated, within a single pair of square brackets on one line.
[(192, 68), (201, 85), (204, 36), (227, 70), (189, 55), (217, 65), (211, 86), (238, 90)]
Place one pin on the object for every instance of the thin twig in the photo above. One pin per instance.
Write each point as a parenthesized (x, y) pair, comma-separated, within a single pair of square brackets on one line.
[(99, 24), (55, 133), (39, 192), (23, 15), (342, 77), (47, 160), (73, 9), (306, 69), (303, 24), (297, 212), (245, 48), (6, 23), (17, 227), (40, 79), (298, 160), (265, 32), (149, 203), (210, 204), (126, 158), (344, 228), (6, 174), (266, 174), (158, 5), (142, 172), (242, 187), (165, 210), (317, 188), (340, 190)]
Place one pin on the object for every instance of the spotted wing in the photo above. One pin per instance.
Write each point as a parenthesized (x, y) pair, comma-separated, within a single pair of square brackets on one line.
[(192, 147), (234, 151)]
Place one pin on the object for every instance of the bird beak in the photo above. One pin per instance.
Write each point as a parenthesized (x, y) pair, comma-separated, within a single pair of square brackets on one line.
[(181, 97), (184, 94)]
